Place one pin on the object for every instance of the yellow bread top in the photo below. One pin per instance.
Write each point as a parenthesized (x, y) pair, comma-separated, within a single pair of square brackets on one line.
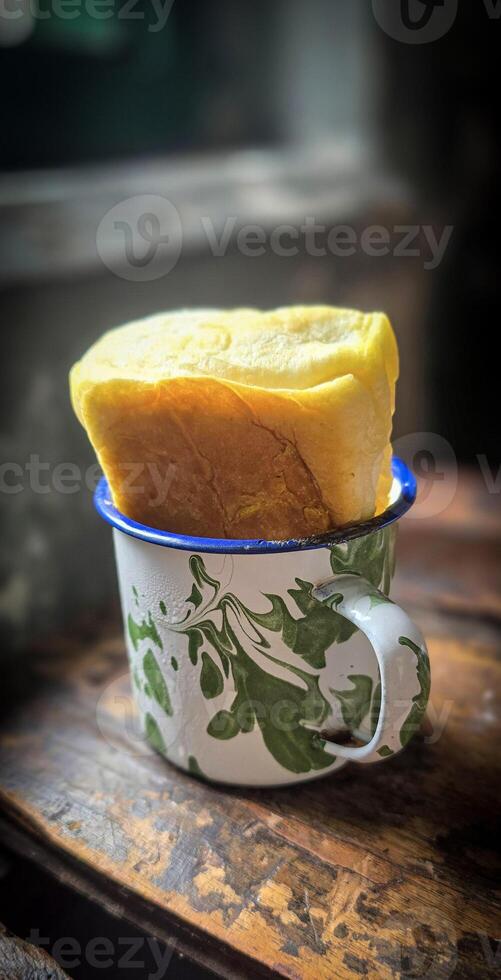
[(290, 348), (274, 424)]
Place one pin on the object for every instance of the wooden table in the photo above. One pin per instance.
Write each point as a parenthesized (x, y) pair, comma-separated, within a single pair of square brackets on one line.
[(382, 871)]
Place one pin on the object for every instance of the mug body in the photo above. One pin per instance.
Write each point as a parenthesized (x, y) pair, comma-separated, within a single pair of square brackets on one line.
[(243, 668), (232, 657)]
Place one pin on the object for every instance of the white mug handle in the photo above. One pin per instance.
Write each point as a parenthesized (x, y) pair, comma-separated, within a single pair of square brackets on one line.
[(404, 667)]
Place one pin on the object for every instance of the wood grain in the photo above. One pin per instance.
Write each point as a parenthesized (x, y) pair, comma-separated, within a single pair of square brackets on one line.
[(379, 871)]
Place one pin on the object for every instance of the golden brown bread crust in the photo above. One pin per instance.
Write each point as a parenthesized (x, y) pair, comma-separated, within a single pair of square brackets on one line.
[(195, 461), (212, 456)]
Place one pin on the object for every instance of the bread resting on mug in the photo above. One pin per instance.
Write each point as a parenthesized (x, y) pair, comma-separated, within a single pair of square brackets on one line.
[(242, 423)]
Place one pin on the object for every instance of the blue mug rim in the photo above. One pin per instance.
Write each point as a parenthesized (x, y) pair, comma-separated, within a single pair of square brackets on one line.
[(184, 542)]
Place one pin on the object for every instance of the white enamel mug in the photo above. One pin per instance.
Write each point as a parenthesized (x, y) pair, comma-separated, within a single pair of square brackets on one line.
[(262, 663)]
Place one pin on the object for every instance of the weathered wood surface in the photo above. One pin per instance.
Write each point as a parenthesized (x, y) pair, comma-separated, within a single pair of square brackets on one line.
[(382, 871)]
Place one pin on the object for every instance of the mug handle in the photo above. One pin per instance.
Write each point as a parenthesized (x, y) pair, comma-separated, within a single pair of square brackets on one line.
[(404, 667)]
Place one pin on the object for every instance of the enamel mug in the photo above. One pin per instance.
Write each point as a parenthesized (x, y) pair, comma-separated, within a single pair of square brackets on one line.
[(261, 663)]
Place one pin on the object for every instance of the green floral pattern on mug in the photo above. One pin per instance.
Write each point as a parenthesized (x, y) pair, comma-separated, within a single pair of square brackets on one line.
[(420, 700), (217, 627), (153, 734), (229, 642), (153, 685), (355, 702)]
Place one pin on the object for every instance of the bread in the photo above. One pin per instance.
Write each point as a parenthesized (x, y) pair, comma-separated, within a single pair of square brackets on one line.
[(241, 423)]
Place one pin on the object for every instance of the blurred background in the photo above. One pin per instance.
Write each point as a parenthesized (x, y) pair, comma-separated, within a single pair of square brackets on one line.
[(152, 154)]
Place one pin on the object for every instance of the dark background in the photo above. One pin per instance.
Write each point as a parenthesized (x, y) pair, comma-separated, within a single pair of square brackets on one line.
[(264, 110)]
